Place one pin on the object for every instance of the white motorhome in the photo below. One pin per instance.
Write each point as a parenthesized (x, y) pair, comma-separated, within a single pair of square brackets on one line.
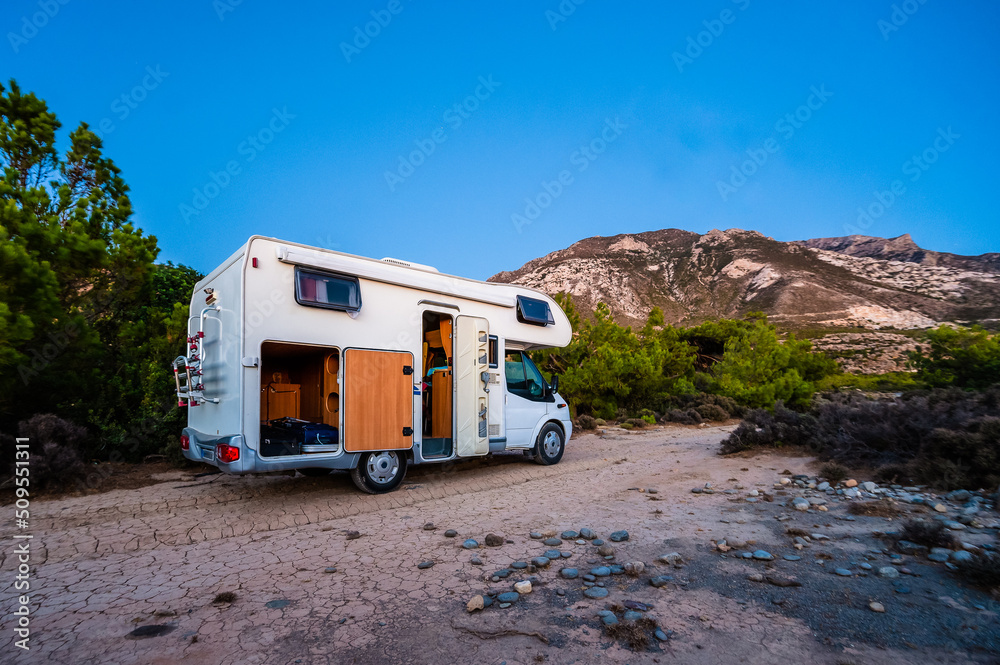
[(310, 359)]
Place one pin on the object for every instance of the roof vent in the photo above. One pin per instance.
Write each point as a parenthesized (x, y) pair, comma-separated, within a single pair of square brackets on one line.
[(408, 264)]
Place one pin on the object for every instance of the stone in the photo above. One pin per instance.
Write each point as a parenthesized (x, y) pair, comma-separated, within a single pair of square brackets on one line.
[(632, 615), (618, 536), (634, 568), (535, 535), (353, 535), (660, 635), (607, 620), (522, 587), (597, 542), (888, 571), (450, 533), (961, 556), (504, 606), (652, 490), (800, 503), (552, 554), (755, 577), (823, 486), (735, 543), (569, 535), (637, 606), (560, 592), (330, 569), (589, 578), (424, 565), (552, 542), (502, 573), (850, 483), (509, 597), (876, 607), (959, 496), (476, 561), (869, 486), (541, 561), (843, 572), (696, 490), (762, 555), (939, 554), (470, 544), (785, 481), (616, 569), (660, 580), (475, 603), (673, 559), (569, 573), (564, 554), (587, 534), (908, 547), (954, 526), (429, 526), (600, 571), (940, 508), (865, 566), (606, 550), (791, 557), (493, 540), (817, 501), (852, 493), (596, 592)]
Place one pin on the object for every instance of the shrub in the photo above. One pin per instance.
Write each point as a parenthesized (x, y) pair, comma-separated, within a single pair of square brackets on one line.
[(649, 419), (54, 450), (982, 570), (948, 438), (712, 412), (627, 425), (586, 422), (833, 472), (931, 534), (638, 423), (688, 417)]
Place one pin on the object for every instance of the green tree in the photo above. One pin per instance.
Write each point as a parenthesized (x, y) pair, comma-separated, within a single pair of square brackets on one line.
[(961, 357), (85, 314)]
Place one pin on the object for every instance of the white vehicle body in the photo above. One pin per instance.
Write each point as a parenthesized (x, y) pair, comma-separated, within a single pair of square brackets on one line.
[(287, 335)]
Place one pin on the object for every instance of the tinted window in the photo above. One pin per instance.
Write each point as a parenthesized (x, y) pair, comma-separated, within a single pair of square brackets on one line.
[(534, 311), (341, 292)]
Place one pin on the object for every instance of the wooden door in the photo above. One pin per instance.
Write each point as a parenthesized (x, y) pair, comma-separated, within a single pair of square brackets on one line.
[(471, 392), (377, 400)]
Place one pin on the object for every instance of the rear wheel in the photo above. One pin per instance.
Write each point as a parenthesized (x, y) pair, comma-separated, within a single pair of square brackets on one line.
[(379, 472), (550, 445)]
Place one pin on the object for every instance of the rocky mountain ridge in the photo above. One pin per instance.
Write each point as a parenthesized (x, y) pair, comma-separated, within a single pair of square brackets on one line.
[(854, 282)]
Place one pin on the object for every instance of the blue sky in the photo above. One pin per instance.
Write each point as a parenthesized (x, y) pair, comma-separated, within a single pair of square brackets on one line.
[(475, 137)]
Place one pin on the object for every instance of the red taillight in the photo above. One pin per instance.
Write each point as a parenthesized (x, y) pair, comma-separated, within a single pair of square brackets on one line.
[(185, 442), (226, 453)]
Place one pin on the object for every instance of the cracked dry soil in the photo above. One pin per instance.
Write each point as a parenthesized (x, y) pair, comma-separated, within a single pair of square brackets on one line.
[(105, 565)]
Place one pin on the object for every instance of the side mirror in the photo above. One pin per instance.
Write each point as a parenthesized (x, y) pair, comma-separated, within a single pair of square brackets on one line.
[(554, 386)]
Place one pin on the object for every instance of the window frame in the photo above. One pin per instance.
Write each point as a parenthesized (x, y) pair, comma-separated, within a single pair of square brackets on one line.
[(534, 321), (326, 274), (493, 351)]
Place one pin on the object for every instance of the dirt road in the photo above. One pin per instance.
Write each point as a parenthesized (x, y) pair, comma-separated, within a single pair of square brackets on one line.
[(105, 565)]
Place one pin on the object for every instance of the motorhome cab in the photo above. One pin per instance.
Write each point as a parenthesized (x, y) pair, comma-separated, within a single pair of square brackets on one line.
[(310, 359)]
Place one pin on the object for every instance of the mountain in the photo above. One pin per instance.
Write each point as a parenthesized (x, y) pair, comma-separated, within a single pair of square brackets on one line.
[(858, 281)]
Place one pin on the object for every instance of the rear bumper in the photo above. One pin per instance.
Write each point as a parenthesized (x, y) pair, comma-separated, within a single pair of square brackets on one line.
[(202, 449)]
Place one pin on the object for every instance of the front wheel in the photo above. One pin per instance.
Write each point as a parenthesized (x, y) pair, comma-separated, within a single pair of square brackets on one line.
[(550, 445), (379, 472)]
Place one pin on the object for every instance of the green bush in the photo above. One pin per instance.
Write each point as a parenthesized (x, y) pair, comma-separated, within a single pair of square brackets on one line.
[(963, 357)]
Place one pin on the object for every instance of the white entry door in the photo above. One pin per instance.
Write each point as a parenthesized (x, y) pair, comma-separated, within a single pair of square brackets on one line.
[(471, 367)]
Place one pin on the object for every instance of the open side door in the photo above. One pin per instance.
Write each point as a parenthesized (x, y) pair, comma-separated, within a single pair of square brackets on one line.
[(472, 386), (378, 400)]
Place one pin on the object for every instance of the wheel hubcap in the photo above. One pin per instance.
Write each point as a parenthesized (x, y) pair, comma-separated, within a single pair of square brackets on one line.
[(550, 444), (382, 467)]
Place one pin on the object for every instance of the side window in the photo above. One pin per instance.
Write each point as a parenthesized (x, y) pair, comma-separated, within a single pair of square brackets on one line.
[(328, 290), (523, 378)]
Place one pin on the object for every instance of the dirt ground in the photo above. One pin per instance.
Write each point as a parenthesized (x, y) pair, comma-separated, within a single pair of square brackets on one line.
[(104, 565)]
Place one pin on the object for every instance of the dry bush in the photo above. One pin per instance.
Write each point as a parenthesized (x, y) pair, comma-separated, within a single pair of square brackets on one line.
[(880, 508), (54, 447), (931, 534), (586, 422), (834, 472), (983, 570)]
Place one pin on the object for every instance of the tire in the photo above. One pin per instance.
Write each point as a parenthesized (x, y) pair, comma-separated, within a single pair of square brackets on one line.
[(550, 445), (315, 472), (380, 471)]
